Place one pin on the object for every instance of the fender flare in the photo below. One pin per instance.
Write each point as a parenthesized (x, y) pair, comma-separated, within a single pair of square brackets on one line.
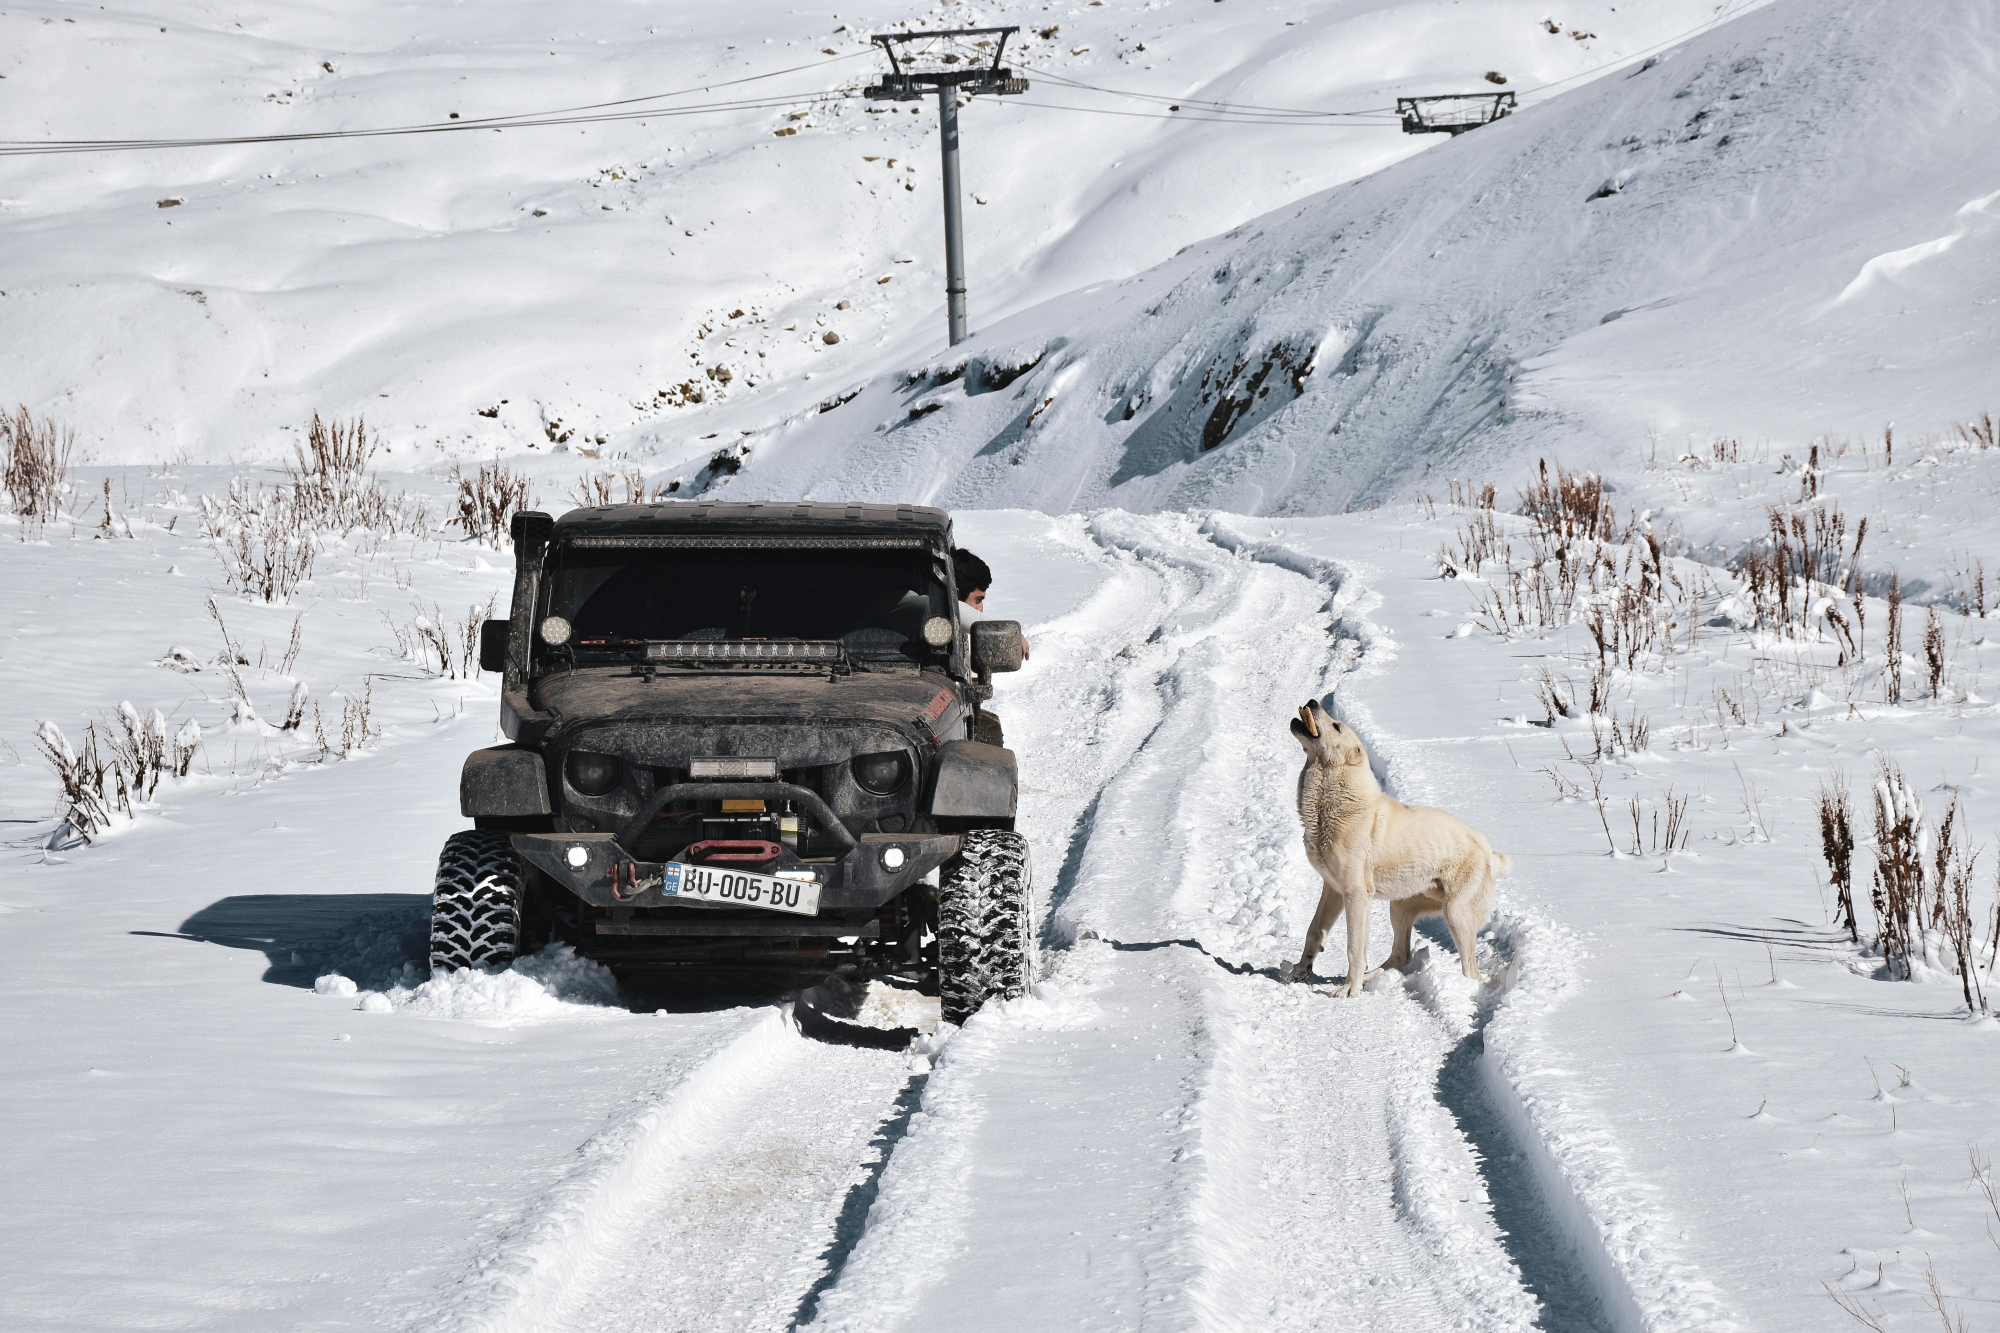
[(973, 780), (505, 781)]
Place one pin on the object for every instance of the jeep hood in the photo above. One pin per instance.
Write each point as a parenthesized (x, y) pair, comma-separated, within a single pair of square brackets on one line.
[(798, 719)]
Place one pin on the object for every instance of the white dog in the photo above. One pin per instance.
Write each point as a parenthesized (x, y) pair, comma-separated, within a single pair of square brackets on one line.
[(1366, 844)]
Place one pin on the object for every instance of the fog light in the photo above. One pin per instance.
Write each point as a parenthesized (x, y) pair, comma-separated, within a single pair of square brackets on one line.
[(893, 858), (555, 631), (578, 857), (937, 631)]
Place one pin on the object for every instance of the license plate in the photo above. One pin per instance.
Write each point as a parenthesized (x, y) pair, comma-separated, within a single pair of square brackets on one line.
[(738, 888)]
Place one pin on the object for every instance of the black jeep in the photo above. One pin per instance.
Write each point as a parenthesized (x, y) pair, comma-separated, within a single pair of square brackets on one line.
[(742, 739)]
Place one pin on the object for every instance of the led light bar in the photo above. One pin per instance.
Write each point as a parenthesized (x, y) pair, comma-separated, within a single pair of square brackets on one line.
[(746, 542), (733, 770), (738, 650)]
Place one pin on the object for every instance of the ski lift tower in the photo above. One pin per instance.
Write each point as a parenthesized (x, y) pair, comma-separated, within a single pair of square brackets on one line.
[(1453, 113), (952, 62)]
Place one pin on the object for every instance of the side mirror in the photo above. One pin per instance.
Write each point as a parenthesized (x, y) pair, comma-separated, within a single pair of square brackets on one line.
[(996, 646), (493, 645)]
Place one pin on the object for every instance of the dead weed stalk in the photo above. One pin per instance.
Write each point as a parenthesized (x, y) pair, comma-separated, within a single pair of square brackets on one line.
[(34, 467), (488, 500)]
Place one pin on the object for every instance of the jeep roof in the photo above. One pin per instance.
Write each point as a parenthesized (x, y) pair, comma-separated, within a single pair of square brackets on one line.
[(756, 515)]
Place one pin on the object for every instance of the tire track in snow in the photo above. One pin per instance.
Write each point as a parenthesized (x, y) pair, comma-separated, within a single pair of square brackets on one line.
[(714, 1207), (1152, 1138), (1093, 682), (739, 1233)]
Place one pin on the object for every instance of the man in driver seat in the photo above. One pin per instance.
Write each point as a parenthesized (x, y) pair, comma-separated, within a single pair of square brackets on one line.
[(973, 578)]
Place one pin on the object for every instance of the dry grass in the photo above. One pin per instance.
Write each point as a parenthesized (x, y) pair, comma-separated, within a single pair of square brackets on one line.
[(1970, 577), (1569, 507), (1557, 694), (264, 539), (1934, 655), (1581, 566), (115, 767), (1949, 911), (1836, 842), (295, 711), (439, 645), (331, 487), (1472, 495), (1897, 892), (1477, 543), (1802, 565), (1982, 432), (357, 722), (608, 488), (1892, 644), (487, 501), (34, 467)]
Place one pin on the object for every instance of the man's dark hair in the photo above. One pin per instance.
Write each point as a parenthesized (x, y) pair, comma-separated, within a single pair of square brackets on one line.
[(969, 572)]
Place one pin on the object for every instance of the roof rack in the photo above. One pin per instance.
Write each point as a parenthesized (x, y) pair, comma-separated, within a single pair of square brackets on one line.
[(1453, 113)]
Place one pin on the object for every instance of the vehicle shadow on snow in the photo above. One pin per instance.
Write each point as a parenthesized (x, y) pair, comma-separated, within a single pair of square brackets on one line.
[(304, 934), (381, 939)]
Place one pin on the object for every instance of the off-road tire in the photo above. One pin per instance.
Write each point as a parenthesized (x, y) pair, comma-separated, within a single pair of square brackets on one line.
[(476, 904), (985, 923)]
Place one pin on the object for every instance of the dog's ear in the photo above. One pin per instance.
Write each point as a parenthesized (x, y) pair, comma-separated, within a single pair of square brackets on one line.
[(1355, 753)]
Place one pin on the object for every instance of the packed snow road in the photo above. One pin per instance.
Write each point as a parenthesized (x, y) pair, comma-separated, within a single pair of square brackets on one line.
[(1163, 1134)]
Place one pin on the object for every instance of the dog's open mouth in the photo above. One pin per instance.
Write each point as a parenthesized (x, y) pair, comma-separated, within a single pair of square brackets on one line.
[(1306, 716)]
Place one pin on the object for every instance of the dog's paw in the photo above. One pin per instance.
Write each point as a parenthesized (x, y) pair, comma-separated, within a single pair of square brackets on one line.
[(1301, 971)]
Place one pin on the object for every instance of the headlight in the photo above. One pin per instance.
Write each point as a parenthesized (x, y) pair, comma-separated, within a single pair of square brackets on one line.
[(592, 774), (882, 774), (555, 631)]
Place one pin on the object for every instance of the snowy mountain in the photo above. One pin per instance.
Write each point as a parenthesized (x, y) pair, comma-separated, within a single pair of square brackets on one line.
[(492, 291), (1780, 229)]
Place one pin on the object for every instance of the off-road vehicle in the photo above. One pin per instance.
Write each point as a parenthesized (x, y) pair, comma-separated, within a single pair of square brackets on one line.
[(741, 736)]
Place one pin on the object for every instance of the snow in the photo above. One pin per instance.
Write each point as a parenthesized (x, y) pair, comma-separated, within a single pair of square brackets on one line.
[(564, 278), (1717, 242), (1683, 1098)]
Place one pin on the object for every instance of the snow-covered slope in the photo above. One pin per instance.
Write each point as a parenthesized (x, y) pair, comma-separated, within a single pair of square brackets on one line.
[(571, 279), (1783, 227)]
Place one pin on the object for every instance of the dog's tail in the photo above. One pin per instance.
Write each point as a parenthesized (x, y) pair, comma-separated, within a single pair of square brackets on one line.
[(1502, 864)]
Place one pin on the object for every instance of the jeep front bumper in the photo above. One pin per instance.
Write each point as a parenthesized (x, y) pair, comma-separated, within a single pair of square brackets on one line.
[(597, 869)]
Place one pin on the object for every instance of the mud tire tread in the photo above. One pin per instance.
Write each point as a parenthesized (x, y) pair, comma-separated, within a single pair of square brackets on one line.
[(986, 915), (476, 901)]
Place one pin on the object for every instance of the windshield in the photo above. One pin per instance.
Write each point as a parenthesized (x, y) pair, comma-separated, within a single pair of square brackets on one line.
[(873, 601)]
